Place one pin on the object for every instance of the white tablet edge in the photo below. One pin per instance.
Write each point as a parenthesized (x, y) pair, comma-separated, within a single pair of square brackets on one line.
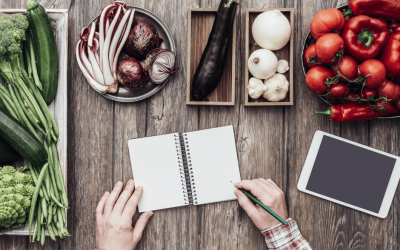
[(309, 163)]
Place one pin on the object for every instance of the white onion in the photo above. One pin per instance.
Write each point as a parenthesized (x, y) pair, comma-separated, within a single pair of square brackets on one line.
[(271, 30), (262, 63)]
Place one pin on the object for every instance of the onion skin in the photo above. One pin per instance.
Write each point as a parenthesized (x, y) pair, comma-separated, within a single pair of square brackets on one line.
[(130, 74), (142, 39)]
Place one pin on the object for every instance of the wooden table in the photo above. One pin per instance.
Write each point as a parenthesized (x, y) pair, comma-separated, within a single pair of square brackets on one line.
[(272, 142)]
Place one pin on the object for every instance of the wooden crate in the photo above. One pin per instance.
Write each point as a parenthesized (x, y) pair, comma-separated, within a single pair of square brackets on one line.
[(59, 22), (284, 53), (200, 22)]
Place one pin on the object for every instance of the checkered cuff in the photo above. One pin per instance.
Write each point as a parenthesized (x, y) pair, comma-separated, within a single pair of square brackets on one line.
[(287, 237)]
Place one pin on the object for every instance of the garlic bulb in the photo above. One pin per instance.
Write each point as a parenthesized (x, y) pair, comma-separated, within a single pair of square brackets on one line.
[(283, 66), (277, 88), (256, 88)]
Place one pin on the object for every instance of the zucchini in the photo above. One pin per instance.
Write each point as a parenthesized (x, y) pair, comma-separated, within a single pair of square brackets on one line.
[(7, 153), (212, 63), (45, 48), (22, 140)]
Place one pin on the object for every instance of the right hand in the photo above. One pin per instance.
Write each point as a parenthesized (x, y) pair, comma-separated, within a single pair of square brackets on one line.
[(269, 194)]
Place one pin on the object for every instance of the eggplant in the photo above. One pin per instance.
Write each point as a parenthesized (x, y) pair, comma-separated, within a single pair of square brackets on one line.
[(209, 72)]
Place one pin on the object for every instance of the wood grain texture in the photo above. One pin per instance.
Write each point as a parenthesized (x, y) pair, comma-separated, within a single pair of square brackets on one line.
[(272, 142), (201, 22)]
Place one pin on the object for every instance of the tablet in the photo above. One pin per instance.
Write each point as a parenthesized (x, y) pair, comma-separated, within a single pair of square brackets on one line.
[(350, 174)]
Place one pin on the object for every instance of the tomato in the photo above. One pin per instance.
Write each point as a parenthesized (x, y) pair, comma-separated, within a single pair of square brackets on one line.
[(332, 100), (309, 57), (367, 93), (348, 68), (398, 104), (376, 70), (316, 77), (353, 95), (381, 106), (338, 89), (329, 47), (389, 90), (326, 21), (347, 92)]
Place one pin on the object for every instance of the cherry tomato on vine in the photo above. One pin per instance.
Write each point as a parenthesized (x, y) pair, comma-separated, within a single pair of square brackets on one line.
[(354, 96), (368, 92), (310, 60), (390, 90), (376, 70), (316, 77), (381, 106), (329, 48), (348, 68), (338, 89)]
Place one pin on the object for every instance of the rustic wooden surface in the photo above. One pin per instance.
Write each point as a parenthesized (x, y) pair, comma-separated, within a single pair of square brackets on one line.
[(272, 142)]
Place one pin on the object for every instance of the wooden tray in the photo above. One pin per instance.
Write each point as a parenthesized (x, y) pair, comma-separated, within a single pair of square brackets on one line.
[(59, 21), (200, 22), (284, 53)]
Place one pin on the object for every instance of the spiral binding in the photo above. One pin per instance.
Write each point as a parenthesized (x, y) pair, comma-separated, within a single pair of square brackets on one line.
[(186, 169)]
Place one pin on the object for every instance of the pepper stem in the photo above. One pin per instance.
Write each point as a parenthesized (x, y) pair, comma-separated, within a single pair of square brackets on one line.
[(366, 37), (348, 13), (328, 112)]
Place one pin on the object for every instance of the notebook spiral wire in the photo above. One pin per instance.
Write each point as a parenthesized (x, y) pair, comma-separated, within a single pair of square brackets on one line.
[(186, 169)]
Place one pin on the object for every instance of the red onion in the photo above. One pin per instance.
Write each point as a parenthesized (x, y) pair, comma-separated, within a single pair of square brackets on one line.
[(159, 65), (130, 73), (143, 38)]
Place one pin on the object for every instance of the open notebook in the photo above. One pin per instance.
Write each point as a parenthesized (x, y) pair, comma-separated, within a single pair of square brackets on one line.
[(181, 169)]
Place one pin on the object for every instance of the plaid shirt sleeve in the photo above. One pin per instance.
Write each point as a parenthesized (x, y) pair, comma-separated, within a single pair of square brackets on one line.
[(287, 237)]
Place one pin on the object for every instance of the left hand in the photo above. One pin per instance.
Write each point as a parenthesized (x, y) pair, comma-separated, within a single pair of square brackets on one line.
[(114, 218)]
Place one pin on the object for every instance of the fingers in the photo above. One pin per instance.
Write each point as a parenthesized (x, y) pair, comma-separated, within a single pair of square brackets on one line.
[(123, 199), (246, 204), (140, 225), (112, 198), (130, 208), (100, 206), (272, 183), (254, 187)]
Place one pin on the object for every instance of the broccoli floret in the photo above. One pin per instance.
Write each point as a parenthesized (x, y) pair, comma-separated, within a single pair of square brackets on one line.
[(9, 170), (29, 189), (20, 189), (8, 181), (21, 178), (16, 191), (12, 33)]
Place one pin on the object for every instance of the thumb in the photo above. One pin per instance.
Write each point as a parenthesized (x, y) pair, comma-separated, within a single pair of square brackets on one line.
[(246, 204), (141, 224)]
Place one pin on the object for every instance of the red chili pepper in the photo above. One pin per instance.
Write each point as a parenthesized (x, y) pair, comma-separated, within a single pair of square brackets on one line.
[(376, 8), (354, 112), (390, 56), (365, 36)]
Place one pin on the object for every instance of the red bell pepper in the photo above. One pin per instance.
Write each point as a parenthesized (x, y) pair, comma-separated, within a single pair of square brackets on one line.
[(376, 8), (354, 112), (390, 57), (365, 36)]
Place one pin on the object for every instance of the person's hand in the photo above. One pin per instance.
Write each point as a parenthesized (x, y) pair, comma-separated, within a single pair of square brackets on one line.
[(114, 218), (269, 194)]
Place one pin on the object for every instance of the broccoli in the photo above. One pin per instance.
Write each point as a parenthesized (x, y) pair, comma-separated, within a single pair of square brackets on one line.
[(12, 34), (16, 191)]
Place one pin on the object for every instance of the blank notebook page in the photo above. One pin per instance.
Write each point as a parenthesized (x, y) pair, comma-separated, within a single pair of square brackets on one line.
[(155, 167), (215, 164)]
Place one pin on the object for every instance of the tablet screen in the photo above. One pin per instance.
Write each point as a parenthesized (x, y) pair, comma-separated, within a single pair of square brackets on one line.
[(351, 174)]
